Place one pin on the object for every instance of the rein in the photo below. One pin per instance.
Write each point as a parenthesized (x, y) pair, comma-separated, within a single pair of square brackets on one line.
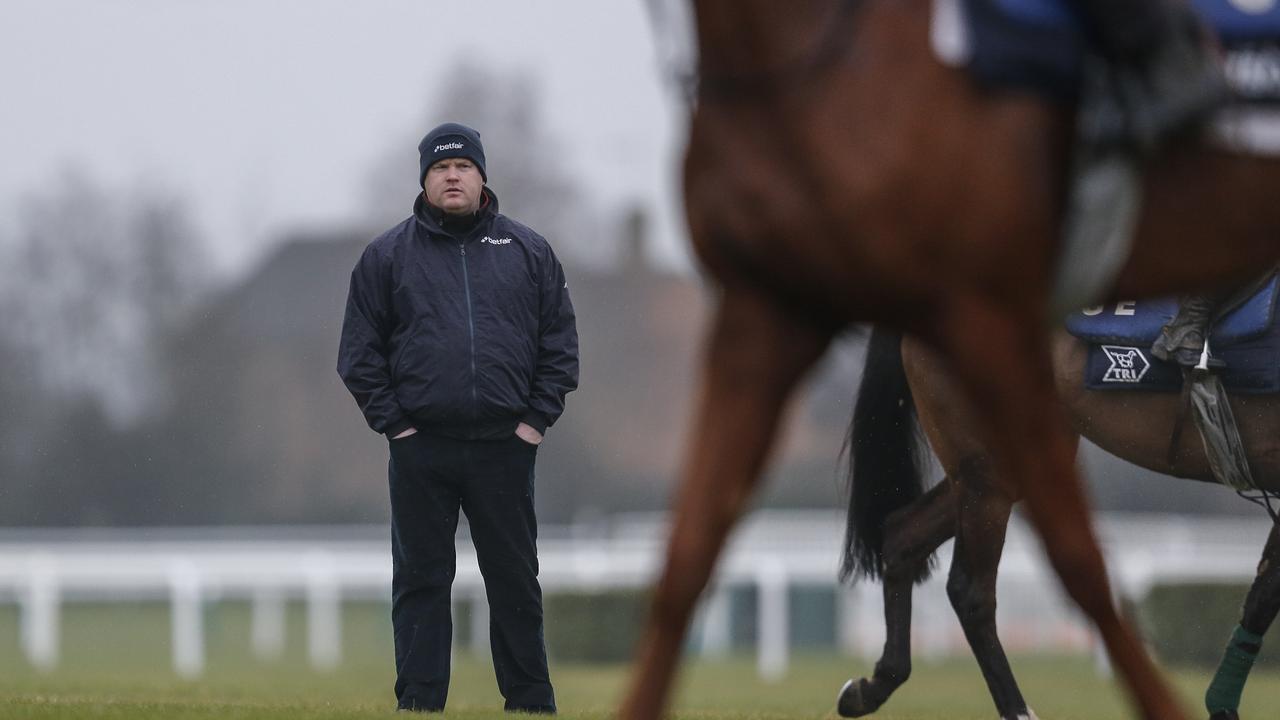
[(790, 75)]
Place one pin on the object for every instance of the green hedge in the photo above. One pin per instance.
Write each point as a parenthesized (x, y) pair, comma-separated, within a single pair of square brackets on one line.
[(1189, 623), (604, 627), (811, 617), (598, 627)]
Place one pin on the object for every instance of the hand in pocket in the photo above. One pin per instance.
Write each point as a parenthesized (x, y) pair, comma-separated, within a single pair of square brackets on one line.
[(528, 434)]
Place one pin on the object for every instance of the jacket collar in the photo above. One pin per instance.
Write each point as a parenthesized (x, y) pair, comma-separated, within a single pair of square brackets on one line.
[(437, 222)]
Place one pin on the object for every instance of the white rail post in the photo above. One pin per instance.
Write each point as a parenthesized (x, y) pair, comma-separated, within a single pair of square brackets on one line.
[(267, 623), (868, 623), (771, 581), (187, 618), (479, 621), (40, 614), (846, 620), (1131, 576), (324, 613), (716, 620)]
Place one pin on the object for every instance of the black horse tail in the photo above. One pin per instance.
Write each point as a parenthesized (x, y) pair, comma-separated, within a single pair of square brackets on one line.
[(883, 448)]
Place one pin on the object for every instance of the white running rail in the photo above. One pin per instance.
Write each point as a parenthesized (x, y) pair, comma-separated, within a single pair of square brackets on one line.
[(772, 552)]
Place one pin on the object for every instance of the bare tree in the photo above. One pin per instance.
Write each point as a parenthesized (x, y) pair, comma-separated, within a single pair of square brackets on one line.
[(94, 277)]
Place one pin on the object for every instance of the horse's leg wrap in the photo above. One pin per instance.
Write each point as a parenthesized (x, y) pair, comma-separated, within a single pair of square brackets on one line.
[(1228, 683)]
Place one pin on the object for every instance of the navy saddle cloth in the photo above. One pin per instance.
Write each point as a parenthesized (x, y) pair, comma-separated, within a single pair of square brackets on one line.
[(1120, 337), (1039, 44)]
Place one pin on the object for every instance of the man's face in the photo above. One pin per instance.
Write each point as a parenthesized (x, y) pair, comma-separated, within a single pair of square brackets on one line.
[(454, 185)]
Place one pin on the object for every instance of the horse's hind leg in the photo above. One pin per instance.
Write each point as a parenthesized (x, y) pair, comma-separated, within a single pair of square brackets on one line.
[(1002, 359), (757, 353), (981, 523), (911, 535), (1260, 607)]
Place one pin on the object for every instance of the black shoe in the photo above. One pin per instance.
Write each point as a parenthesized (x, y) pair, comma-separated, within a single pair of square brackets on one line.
[(1183, 346), (411, 704), (1182, 339), (1188, 358), (533, 709)]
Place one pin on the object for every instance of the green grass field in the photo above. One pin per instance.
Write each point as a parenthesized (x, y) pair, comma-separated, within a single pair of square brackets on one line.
[(115, 664)]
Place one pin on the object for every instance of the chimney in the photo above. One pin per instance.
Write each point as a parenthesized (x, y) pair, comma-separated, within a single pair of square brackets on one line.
[(635, 230)]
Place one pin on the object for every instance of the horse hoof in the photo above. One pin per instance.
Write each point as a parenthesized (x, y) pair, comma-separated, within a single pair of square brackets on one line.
[(852, 700)]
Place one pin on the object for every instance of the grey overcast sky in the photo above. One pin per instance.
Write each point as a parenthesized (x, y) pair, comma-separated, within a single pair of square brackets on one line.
[(270, 114)]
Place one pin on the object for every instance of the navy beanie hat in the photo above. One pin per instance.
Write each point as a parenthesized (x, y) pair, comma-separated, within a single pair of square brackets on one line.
[(450, 140)]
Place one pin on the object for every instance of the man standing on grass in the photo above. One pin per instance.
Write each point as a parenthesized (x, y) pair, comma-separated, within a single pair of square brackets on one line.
[(459, 344)]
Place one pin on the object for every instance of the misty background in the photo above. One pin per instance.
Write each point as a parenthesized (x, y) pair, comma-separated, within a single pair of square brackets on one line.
[(185, 188)]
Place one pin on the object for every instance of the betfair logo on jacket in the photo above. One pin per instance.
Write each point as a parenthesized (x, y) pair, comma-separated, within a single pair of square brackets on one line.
[(498, 241), (448, 146)]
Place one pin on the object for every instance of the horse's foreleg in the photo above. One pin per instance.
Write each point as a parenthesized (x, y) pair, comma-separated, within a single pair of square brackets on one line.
[(1222, 700), (981, 524), (1003, 361), (910, 537), (755, 357)]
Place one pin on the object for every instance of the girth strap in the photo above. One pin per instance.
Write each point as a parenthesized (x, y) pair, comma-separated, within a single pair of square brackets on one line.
[(1211, 410), (1180, 419)]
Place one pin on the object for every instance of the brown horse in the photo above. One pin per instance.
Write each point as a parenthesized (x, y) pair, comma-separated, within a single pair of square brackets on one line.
[(871, 182), (894, 528)]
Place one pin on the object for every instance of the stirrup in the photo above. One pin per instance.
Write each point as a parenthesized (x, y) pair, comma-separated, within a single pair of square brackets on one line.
[(1203, 365)]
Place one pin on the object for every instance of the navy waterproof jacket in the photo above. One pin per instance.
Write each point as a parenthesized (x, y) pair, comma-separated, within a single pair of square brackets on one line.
[(461, 334)]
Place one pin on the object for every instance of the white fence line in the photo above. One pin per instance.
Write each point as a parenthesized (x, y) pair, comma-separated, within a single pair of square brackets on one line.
[(772, 553)]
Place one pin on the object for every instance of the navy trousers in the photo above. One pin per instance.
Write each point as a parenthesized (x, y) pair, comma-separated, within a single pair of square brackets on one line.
[(431, 478)]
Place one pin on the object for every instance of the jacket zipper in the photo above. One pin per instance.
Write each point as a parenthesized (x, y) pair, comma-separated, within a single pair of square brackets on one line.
[(471, 328)]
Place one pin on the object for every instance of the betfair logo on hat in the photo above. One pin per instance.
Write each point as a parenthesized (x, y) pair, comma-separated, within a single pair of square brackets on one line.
[(448, 146)]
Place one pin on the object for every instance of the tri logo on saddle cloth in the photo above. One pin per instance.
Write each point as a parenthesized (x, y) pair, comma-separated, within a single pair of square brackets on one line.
[(1128, 364), (1120, 335)]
